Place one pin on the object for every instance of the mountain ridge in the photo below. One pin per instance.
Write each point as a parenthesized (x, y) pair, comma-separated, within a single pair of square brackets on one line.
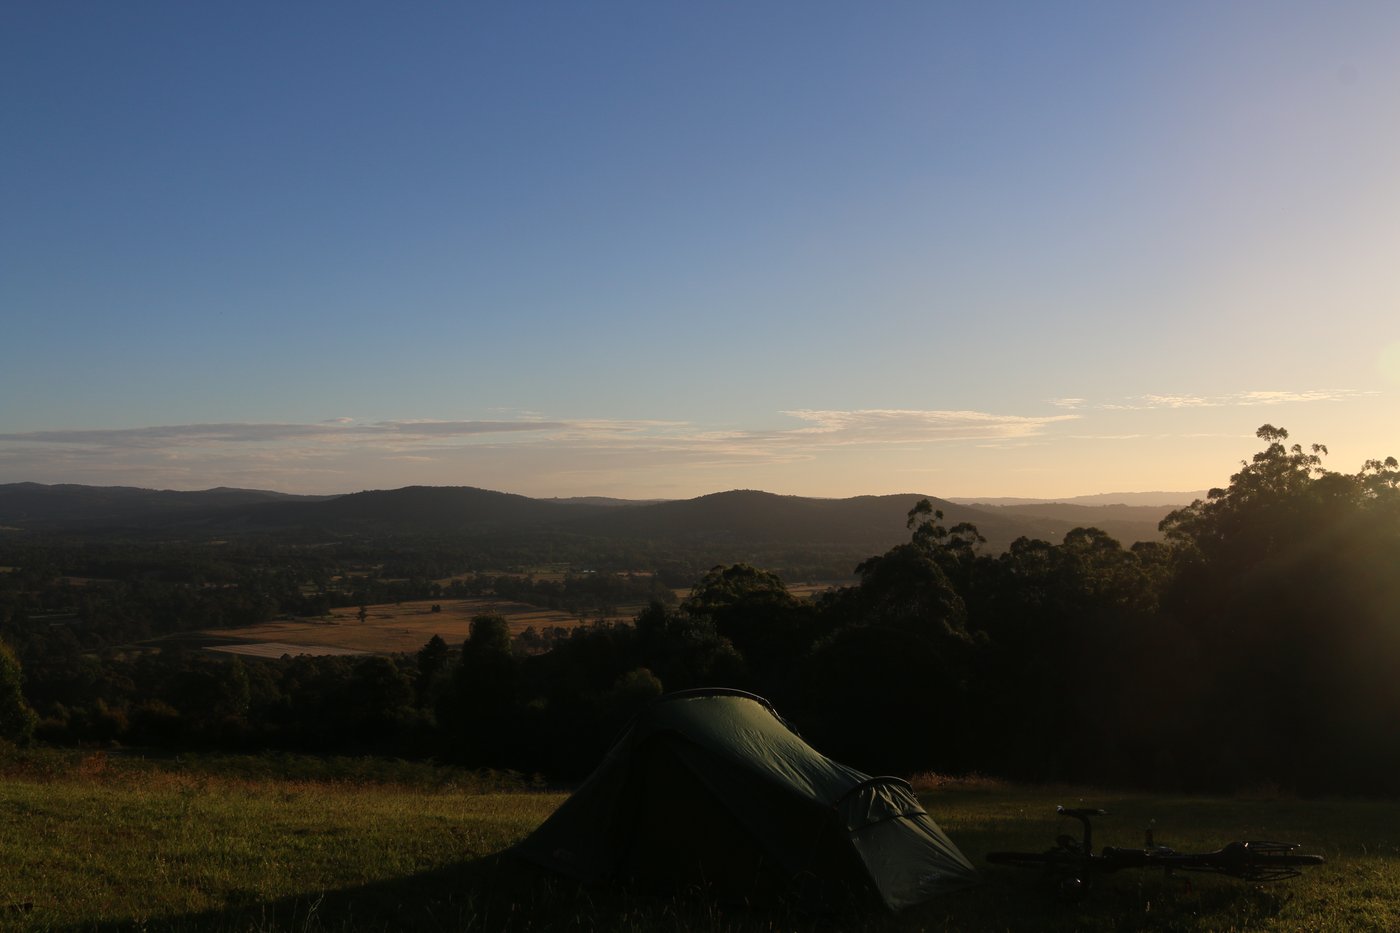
[(1156, 498), (731, 525)]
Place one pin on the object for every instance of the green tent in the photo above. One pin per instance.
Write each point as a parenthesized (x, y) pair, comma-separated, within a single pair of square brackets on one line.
[(711, 789)]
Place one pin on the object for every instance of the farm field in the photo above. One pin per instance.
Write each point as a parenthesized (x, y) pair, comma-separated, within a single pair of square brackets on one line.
[(389, 628), (396, 628), (126, 844)]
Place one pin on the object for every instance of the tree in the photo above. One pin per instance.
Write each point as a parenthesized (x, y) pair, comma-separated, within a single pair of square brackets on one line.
[(928, 532), (754, 610), (482, 705), (17, 720), (907, 588), (489, 635), (1287, 579), (377, 701), (432, 661), (953, 549), (897, 657), (685, 649)]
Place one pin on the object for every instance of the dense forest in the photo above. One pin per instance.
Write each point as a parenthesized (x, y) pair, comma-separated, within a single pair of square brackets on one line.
[(1256, 645)]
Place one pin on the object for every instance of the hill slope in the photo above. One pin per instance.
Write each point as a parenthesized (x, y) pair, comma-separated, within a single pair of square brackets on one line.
[(725, 526), (101, 508)]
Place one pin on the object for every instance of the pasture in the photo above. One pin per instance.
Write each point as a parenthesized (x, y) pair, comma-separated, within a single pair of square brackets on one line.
[(403, 628), (389, 628), (98, 843)]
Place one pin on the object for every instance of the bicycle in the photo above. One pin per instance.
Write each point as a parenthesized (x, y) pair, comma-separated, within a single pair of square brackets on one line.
[(1071, 865)]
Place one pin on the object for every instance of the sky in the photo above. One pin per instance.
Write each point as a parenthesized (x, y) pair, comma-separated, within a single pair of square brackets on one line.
[(662, 249)]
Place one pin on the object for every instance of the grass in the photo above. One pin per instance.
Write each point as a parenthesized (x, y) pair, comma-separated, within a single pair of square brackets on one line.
[(124, 844), (399, 628), (97, 843), (405, 627)]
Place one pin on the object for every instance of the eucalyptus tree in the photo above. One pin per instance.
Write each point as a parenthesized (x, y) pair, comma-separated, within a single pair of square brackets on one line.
[(753, 609), (1288, 580)]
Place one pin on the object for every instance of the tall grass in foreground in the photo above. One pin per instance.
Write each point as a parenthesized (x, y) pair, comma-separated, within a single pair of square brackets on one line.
[(114, 844)]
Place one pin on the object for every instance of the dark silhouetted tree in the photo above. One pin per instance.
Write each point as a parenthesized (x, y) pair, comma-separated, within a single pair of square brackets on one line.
[(17, 720), (482, 706), (432, 665), (766, 624), (1287, 578)]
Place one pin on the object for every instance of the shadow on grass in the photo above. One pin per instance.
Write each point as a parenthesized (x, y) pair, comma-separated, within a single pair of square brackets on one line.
[(501, 893), (496, 893), (480, 894)]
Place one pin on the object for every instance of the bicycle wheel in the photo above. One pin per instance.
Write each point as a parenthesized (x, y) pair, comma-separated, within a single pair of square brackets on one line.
[(1063, 874), (1252, 861)]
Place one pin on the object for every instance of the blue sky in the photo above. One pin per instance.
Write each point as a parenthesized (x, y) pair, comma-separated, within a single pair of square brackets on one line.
[(663, 249)]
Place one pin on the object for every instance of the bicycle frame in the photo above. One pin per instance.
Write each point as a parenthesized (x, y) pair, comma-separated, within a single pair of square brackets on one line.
[(1072, 864)]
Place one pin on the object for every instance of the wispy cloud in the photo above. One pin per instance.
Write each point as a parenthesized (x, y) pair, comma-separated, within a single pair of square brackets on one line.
[(900, 426), (301, 455), (339, 429), (1277, 398), (460, 428), (1234, 400)]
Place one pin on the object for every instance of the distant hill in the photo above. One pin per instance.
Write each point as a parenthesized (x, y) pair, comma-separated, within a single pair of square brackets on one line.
[(751, 516), (1173, 499), (1127, 523), (721, 527), (110, 508), (603, 500), (432, 509)]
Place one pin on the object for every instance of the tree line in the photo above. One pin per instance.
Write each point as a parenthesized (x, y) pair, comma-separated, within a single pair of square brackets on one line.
[(1256, 645)]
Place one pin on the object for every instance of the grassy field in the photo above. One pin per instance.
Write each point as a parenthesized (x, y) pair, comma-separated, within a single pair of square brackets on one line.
[(402, 628), (393, 628), (92, 843)]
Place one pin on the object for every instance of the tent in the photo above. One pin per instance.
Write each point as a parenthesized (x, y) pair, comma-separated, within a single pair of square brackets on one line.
[(711, 789)]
